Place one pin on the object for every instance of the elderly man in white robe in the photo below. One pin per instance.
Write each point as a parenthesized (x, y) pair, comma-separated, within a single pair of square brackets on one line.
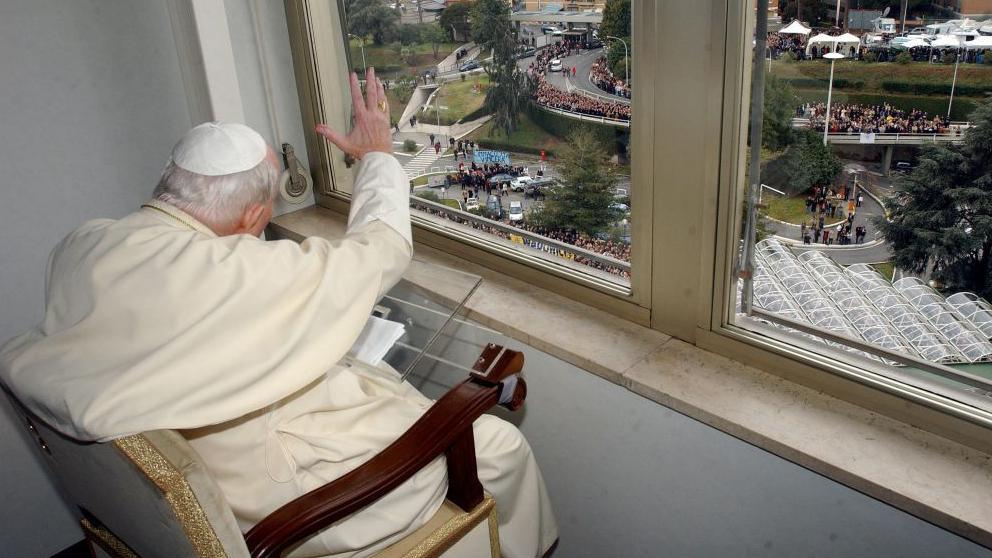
[(178, 316)]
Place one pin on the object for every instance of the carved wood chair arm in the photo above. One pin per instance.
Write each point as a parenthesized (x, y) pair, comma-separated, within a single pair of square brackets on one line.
[(446, 428)]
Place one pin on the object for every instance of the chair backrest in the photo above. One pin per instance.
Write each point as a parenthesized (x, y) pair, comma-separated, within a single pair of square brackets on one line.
[(147, 494)]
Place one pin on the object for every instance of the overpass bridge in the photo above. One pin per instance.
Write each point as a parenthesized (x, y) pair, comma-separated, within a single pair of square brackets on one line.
[(955, 134)]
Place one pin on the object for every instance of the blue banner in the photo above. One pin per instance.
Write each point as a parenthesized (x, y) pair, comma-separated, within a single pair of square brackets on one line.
[(491, 157)]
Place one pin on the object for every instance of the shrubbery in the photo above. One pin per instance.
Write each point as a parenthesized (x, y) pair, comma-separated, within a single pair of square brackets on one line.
[(904, 58), (409, 146), (927, 88)]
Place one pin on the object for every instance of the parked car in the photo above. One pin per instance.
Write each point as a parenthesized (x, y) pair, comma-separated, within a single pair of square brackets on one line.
[(526, 52), (470, 65), (520, 183), (548, 29), (500, 179), (556, 65), (516, 211), (593, 44), (495, 207), (903, 166), (537, 186), (619, 207), (471, 203)]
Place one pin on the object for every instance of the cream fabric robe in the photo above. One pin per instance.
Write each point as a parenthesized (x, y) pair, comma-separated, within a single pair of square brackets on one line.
[(154, 322)]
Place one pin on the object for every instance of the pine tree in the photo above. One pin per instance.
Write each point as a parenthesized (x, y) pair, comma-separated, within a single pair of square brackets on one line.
[(507, 93), (586, 188), (943, 212), (776, 128)]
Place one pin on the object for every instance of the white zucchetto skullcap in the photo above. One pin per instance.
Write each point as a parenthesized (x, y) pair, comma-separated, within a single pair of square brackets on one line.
[(219, 148)]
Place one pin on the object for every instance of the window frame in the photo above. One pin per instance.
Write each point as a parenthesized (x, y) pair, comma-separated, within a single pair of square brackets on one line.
[(681, 278)]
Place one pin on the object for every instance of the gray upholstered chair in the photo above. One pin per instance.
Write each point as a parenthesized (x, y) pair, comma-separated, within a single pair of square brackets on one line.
[(149, 494)]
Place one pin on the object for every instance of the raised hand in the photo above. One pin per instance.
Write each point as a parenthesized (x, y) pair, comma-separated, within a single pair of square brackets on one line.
[(371, 130)]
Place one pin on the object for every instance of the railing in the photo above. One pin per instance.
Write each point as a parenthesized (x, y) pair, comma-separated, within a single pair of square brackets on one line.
[(956, 132), (585, 117), (536, 241)]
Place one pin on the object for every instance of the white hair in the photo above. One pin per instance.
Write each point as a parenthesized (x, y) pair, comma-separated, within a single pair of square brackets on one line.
[(218, 199)]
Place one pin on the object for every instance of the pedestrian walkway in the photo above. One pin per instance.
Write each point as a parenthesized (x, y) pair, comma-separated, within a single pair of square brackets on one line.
[(421, 163)]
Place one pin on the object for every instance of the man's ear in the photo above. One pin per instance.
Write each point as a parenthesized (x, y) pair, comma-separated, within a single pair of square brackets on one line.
[(254, 219)]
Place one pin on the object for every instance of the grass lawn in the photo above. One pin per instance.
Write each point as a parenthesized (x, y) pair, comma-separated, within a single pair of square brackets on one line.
[(528, 134), (784, 208), (886, 269), (388, 63), (451, 203), (457, 100)]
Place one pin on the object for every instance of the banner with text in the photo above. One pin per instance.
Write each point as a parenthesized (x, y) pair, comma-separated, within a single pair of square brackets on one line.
[(491, 158)]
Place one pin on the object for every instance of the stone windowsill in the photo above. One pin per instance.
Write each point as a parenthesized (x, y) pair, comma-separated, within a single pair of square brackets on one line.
[(921, 473)]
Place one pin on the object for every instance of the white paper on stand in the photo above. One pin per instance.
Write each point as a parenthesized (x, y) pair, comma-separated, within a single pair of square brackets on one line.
[(376, 339)]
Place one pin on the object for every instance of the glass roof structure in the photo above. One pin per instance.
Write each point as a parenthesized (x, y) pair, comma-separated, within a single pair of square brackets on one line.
[(906, 317)]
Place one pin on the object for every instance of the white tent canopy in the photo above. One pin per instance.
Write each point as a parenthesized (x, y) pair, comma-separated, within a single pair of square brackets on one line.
[(795, 28), (846, 38)]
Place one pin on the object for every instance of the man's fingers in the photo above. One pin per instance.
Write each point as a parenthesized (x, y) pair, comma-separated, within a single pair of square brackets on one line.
[(340, 140), (371, 89), (356, 95), (381, 89)]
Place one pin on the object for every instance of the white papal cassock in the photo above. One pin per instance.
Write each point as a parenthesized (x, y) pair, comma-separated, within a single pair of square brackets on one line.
[(155, 322)]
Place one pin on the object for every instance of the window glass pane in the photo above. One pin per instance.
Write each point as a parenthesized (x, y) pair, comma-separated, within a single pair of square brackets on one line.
[(512, 121), (867, 220)]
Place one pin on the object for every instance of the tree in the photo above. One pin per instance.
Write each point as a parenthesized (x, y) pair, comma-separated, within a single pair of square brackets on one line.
[(942, 219), (409, 34), (435, 35), (586, 187), (507, 93), (813, 11), (455, 17), (806, 163), (616, 23), (371, 17), (616, 19), (780, 100)]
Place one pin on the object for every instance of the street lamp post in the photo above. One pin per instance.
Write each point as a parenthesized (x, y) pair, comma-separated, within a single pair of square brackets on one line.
[(833, 57), (362, 45), (626, 63), (957, 59)]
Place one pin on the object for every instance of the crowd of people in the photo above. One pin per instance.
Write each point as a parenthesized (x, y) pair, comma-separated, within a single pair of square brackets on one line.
[(825, 203), (604, 79), (609, 248), (853, 119), (552, 97), (779, 44)]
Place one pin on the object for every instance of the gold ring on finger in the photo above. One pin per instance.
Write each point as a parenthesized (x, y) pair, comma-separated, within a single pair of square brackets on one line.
[(382, 106)]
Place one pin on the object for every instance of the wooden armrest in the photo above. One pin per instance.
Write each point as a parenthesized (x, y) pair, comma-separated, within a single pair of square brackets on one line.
[(446, 428)]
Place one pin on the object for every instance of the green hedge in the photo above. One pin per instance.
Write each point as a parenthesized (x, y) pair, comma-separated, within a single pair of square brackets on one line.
[(562, 126), (925, 88), (813, 83), (477, 113)]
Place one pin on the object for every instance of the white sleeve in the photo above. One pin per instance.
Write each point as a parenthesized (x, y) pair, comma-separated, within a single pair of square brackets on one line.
[(382, 193)]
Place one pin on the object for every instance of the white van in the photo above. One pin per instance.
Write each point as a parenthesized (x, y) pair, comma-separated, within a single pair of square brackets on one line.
[(516, 211)]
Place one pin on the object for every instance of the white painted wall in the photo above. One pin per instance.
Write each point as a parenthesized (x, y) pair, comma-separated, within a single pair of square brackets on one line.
[(91, 104), (267, 57)]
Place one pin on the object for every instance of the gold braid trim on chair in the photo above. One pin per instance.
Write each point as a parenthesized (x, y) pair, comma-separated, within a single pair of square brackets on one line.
[(107, 540), (177, 493), (439, 541)]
